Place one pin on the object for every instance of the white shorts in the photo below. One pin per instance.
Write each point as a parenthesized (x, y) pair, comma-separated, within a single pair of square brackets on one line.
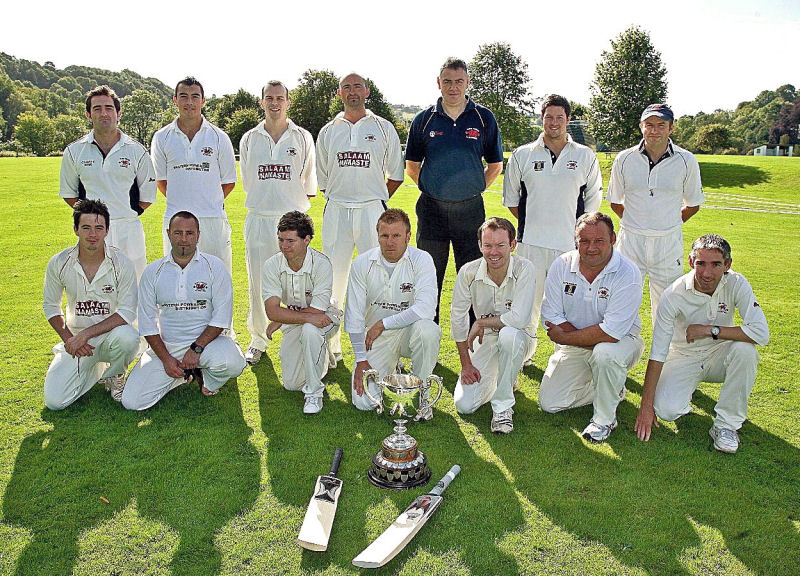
[(260, 244), (127, 234), (542, 259)]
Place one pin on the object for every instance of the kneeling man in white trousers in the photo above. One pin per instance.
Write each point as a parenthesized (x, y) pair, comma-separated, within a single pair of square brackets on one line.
[(696, 340), (391, 301), (591, 312), (296, 290), (500, 289), (185, 303)]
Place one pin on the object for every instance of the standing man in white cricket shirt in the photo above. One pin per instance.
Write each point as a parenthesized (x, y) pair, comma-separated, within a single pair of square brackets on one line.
[(359, 167), (278, 166), (391, 300), (98, 341), (591, 310), (654, 188), (196, 170), (548, 184), (110, 166), (185, 304), (499, 288)]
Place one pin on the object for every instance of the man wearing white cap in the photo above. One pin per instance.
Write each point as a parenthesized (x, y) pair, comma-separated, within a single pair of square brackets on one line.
[(654, 188)]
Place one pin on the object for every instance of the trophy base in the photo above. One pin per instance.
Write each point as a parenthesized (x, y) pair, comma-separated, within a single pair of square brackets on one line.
[(394, 475)]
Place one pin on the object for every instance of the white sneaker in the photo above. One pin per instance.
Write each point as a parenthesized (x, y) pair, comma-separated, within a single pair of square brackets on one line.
[(253, 355), (115, 385), (725, 439), (597, 433), (502, 422), (313, 405)]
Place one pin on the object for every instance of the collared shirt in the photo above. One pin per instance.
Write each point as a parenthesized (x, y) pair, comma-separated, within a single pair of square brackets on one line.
[(112, 290), (547, 194), (372, 294), (451, 151), (179, 303), (195, 169), (310, 286), (681, 304), (612, 301), (353, 160), (278, 177), (121, 179), (512, 300), (653, 198)]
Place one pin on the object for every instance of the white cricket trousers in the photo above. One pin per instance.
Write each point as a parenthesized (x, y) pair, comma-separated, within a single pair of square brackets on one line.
[(419, 341), (542, 259), (260, 244), (68, 378), (576, 377), (498, 359), (732, 363), (304, 357), (148, 382), (659, 257), (215, 239), (345, 228), (127, 234)]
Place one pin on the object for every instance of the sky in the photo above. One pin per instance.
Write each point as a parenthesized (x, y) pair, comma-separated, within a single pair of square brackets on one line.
[(717, 53)]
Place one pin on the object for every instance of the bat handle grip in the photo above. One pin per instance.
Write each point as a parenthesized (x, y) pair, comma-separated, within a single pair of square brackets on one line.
[(337, 459), (442, 485)]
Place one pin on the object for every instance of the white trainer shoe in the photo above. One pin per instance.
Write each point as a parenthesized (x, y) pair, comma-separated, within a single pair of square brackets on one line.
[(253, 355), (502, 422), (313, 405), (597, 433), (725, 439)]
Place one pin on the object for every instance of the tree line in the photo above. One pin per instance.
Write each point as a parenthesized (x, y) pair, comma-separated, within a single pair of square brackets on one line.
[(41, 107)]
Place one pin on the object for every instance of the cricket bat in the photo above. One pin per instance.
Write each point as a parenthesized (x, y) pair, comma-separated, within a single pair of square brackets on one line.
[(404, 528), (316, 529)]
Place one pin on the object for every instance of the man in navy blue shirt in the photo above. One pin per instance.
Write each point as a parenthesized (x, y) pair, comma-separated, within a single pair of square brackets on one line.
[(446, 145)]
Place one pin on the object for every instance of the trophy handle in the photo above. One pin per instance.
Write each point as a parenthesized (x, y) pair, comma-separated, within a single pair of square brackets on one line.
[(438, 381), (373, 374)]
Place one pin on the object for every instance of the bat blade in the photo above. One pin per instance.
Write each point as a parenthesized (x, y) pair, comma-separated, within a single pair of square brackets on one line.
[(404, 528), (316, 529)]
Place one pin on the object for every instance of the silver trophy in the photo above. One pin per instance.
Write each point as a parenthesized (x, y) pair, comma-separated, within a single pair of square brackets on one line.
[(399, 464)]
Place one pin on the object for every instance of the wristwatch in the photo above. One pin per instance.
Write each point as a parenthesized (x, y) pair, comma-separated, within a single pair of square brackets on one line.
[(715, 332), (197, 349)]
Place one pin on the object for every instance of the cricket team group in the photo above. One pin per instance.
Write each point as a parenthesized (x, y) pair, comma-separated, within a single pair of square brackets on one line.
[(563, 264)]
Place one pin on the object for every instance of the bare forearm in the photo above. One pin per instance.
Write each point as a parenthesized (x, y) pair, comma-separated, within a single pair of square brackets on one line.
[(618, 209), (208, 335), (514, 211), (228, 188), (278, 313), (463, 354), (58, 324), (651, 378), (413, 169), (587, 337), (491, 172), (392, 186), (106, 325), (689, 211)]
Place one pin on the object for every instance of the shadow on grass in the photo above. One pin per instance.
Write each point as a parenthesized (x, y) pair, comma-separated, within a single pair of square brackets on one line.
[(640, 499), (719, 175), (187, 462), (301, 447)]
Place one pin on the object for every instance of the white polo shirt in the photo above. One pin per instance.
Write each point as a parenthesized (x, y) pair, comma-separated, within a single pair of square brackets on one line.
[(653, 198), (278, 177), (194, 170), (179, 303), (112, 290), (512, 301), (354, 160), (399, 299), (681, 305), (308, 287), (547, 194), (112, 179), (612, 301)]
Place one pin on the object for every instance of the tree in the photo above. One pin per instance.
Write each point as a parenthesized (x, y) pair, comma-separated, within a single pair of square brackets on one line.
[(141, 111), (68, 128), (242, 120), (225, 108), (312, 99), (35, 132), (712, 138), (499, 80), (626, 81), (787, 124)]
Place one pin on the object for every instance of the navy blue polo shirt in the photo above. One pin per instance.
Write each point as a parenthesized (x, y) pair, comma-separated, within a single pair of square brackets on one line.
[(451, 152)]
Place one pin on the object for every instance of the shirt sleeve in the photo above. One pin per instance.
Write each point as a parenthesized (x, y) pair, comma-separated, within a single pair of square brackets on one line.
[(512, 191), (692, 187), (227, 160), (148, 309), (519, 316), (552, 305), (146, 178), (222, 300), (754, 323), (310, 170), (394, 155), (459, 307), (159, 157), (492, 144), (356, 304), (358, 340), (322, 276), (53, 290), (593, 194), (127, 290), (322, 159), (415, 147), (69, 180), (623, 305), (664, 328), (271, 280), (616, 182), (425, 294)]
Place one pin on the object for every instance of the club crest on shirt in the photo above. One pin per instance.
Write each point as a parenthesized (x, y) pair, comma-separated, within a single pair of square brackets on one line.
[(291, 151), (435, 133), (92, 308), (472, 133), (274, 172), (200, 286), (353, 159), (87, 163), (722, 307), (603, 292), (507, 304), (572, 165), (538, 165), (107, 289), (569, 288), (207, 151), (406, 287), (309, 294), (124, 162), (370, 138)]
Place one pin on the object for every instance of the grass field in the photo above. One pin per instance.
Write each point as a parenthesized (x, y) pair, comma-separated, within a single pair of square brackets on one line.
[(199, 486)]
